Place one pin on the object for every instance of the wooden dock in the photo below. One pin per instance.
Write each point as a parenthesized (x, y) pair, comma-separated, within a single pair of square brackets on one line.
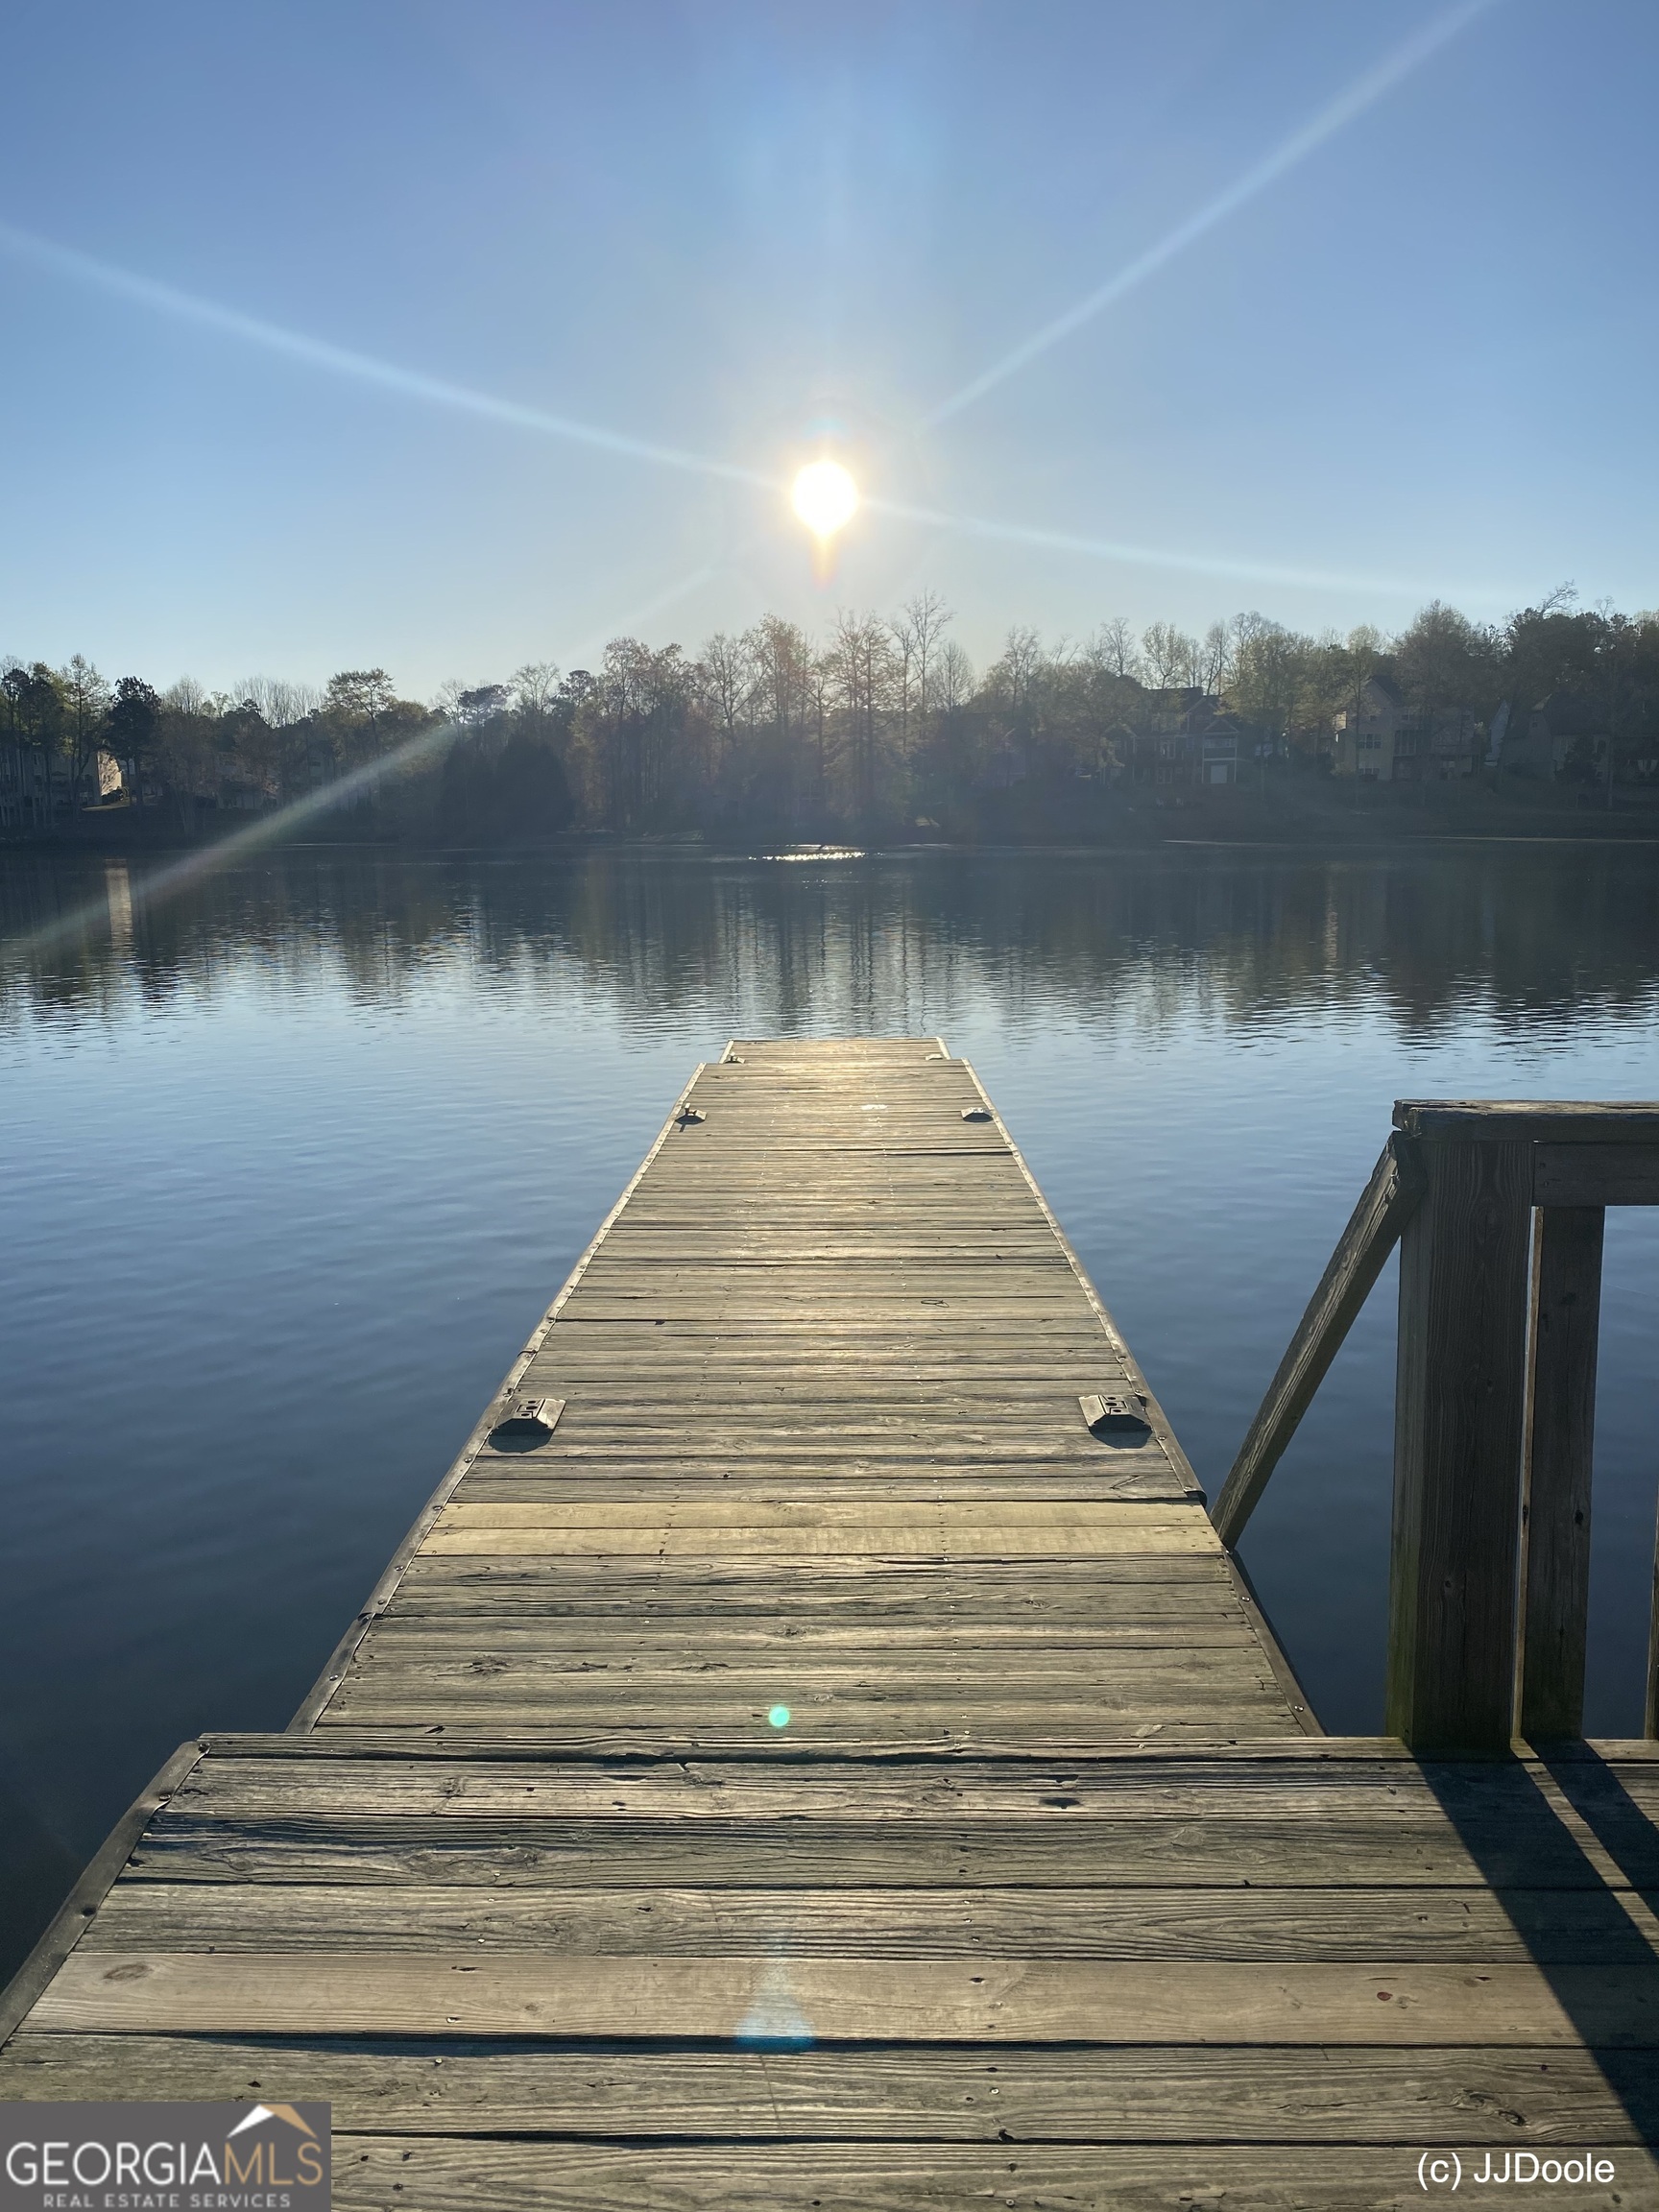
[(814, 1750)]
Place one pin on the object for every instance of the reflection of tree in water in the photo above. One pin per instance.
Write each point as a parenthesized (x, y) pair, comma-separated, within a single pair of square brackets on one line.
[(1245, 939)]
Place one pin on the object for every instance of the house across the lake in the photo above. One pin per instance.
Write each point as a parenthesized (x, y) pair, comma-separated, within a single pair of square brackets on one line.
[(1380, 739), (1188, 738)]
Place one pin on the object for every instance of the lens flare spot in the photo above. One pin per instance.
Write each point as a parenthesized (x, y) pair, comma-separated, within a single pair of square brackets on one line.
[(825, 497), (778, 1715)]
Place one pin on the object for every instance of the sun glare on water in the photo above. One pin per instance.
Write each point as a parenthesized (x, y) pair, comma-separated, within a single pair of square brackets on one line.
[(825, 497)]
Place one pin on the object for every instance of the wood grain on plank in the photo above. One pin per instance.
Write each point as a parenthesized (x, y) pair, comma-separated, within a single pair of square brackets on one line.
[(1294, 1781), (508, 1852), (625, 1640), (858, 2000), (993, 1588), (605, 1511), (1152, 2094), (1457, 1443), (443, 2175), (938, 1536), (1102, 1921), (1559, 1445)]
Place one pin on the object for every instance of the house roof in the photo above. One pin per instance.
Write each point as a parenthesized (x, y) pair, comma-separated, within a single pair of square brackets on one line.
[(1570, 713)]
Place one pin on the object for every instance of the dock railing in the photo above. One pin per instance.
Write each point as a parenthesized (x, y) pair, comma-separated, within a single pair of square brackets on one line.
[(1499, 1209)]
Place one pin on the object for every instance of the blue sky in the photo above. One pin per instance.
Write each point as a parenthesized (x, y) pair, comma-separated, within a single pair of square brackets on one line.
[(296, 295)]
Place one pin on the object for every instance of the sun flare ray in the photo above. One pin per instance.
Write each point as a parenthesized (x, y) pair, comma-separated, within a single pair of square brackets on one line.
[(360, 368), (1364, 93), (1189, 564)]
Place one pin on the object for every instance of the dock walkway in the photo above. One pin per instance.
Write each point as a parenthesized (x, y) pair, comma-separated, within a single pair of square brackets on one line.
[(813, 1750)]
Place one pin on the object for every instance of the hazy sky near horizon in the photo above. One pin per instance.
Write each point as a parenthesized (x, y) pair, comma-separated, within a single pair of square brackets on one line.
[(311, 309)]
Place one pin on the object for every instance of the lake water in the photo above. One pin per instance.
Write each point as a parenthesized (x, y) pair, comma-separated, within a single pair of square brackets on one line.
[(291, 1163)]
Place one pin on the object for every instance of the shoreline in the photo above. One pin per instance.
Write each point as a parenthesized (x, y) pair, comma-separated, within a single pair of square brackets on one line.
[(1374, 842)]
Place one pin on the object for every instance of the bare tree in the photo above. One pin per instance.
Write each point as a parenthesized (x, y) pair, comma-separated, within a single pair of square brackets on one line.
[(820, 686), (901, 652), (85, 696), (861, 660), (632, 726), (1215, 669), (786, 700), (278, 701), (534, 688), (1015, 674), (189, 761), (185, 697), (1115, 645), (917, 635), (782, 654), (727, 671), (1172, 656), (1271, 671), (953, 681), (1358, 660)]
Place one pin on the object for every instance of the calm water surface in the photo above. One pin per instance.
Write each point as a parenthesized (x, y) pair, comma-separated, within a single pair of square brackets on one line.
[(292, 1164)]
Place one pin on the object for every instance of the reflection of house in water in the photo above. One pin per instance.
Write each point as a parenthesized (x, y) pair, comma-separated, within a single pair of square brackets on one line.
[(1381, 740)]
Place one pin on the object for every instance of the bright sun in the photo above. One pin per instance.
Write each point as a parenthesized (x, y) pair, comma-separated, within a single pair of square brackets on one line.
[(825, 496)]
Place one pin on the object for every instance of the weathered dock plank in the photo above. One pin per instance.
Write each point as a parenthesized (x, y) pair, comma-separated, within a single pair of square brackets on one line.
[(822, 1771), (833, 1322), (895, 2093), (852, 1999)]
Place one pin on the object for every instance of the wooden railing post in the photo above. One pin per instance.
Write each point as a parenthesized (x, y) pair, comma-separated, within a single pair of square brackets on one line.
[(1494, 1407), (1556, 1489), (1457, 1437)]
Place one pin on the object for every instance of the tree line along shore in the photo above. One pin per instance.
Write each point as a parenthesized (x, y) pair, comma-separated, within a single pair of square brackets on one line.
[(883, 729)]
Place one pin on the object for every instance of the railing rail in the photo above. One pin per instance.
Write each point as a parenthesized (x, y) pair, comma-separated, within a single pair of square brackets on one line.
[(1395, 1186), (1499, 1207)]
